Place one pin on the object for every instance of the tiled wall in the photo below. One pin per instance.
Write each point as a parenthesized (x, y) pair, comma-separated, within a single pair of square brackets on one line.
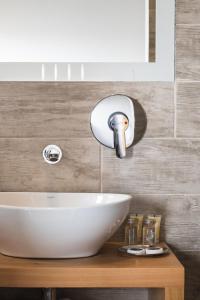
[(162, 172), (187, 116)]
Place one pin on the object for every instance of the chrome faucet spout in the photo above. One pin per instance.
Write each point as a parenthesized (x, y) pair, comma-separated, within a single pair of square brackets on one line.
[(118, 122)]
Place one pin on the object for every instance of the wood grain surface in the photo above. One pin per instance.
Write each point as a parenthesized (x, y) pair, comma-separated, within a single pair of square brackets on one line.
[(23, 167), (62, 110), (188, 110), (187, 12), (154, 167), (187, 52), (108, 269)]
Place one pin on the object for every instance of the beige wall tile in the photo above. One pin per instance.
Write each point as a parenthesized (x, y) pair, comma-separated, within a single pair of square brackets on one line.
[(63, 109), (44, 110), (154, 166), (187, 12), (188, 52), (23, 167), (188, 110)]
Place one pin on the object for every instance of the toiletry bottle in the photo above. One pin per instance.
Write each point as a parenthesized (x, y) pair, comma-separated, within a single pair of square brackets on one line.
[(139, 219), (149, 232), (157, 219), (131, 232)]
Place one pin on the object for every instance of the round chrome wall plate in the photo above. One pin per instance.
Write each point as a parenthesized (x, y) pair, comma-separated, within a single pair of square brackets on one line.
[(52, 154), (101, 115)]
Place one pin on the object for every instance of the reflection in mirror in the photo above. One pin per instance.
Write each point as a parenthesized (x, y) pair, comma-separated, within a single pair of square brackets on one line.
[(74, 31), (87, 40)]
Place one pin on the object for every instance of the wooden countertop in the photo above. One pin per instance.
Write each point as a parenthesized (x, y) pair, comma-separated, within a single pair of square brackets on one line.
[(107, 269)]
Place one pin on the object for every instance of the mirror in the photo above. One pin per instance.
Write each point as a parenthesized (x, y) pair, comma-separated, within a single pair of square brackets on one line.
[(74, 31), (93, 40)]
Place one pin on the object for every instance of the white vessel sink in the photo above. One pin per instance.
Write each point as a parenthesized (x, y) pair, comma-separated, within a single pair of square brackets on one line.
[(58, 225)]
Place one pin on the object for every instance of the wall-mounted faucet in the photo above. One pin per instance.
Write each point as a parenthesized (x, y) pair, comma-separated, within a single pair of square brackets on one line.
[(113, 123)]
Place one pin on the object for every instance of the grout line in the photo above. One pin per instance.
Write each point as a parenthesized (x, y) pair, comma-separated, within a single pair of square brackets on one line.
[(101, 169), (159, 138), (188, 138), (45, 137), (149, 194), (187, 25), (181, 251), (175, 84), (171, 138), (187, 81), (175, 110), (147, 29)]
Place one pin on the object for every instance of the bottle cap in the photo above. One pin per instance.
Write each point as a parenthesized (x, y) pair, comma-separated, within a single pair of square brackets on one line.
[(149, 222)]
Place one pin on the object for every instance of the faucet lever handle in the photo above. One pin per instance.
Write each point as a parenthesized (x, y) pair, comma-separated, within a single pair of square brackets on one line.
[(118, 122)]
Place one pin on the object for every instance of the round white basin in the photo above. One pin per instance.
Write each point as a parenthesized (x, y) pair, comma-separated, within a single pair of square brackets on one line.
[(59, 225)]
